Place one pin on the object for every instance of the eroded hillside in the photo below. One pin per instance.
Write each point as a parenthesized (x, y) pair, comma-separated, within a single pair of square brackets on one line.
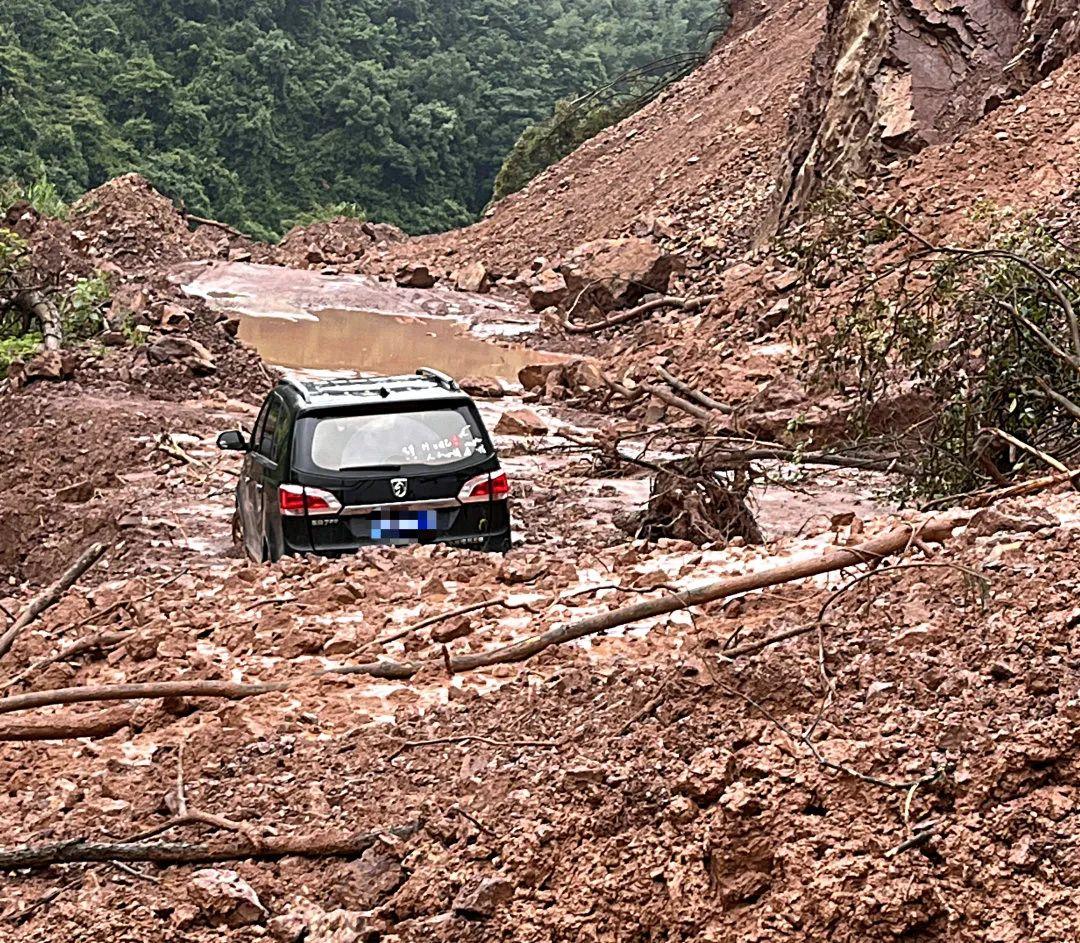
[(724, 686)]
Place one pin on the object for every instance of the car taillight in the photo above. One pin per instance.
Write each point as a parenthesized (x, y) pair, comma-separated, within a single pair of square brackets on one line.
[(485, 488), (296, 500)]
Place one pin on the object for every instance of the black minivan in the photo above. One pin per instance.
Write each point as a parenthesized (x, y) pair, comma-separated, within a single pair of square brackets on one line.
[(334, 465)]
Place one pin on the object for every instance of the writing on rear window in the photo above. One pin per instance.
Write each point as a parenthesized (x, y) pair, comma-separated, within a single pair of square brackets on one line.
[(426, 437)]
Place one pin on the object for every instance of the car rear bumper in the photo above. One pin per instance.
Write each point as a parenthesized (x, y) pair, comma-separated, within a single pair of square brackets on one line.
[(484, 526)]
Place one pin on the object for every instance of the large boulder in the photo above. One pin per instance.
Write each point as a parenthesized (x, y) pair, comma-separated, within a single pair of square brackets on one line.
[(473, 278), (414, 276), (547, 289), (615, 273), (184, 350), (520, 422)]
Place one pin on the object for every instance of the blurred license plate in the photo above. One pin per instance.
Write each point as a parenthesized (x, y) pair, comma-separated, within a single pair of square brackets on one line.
[(403, 525)]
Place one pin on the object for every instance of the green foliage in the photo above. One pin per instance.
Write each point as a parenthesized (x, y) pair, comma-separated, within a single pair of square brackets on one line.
[(257, 113), (82, 308), (572, 123), (981, 334), (324, 214), (548, 141), (17, 347), (43, 196), (12, 252)]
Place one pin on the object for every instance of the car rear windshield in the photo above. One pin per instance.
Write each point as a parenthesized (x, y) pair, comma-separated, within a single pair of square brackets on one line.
[(429, 437)]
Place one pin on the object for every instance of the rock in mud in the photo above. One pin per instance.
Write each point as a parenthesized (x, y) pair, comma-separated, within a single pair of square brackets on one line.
[(414, 276), (184, 350), (47, 365), (473, 278), (547, 290), (345, 640), (616, 273), (534, 376), (225, 898), (454, 629), (480, 901), (520, 422), (483, 387)]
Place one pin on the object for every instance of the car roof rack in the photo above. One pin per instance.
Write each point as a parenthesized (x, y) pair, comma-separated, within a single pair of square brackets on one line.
[(445, 381), (406, 386)]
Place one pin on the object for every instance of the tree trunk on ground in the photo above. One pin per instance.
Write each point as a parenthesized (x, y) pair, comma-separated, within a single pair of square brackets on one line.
[(38, 305)]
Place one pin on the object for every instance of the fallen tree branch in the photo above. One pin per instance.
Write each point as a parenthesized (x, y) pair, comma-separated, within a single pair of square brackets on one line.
[(51, 595), (431, 620), (655, 304), (679, 386), (469, 738), (40, 307), (1030, 449), (322, 845), (982, 498), (224, 227), (1063, 401), (895, 541), (89, 643), (131, 692), (102, 724), (707, 416)]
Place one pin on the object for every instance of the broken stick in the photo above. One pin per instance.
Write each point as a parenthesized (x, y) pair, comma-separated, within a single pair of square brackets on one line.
[(74, 727), (322, 845), (131, 692), (655, 304), (50, 596), (934, 529)]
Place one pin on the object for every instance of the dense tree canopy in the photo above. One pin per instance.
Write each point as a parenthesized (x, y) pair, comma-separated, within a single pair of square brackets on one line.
[(261, 112)]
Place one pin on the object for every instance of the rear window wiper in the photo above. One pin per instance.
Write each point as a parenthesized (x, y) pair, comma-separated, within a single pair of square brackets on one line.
[(355, 468)]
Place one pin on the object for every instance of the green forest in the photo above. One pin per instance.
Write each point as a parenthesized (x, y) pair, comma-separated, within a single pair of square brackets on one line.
[(265, 113)]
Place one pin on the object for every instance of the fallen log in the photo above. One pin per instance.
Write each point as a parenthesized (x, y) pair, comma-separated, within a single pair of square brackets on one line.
[(216, 224), (935, 529), (39, 306), (680, 386), (270, 848), (228, 690), (707, 416), (655, 304), (51, 595), (102, 724)]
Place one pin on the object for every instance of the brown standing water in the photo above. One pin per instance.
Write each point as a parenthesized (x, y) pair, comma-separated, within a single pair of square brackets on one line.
[(379, 343), (302, 320)]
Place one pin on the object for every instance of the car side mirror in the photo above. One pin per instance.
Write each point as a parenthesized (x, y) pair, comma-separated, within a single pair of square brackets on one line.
[(233, 441)]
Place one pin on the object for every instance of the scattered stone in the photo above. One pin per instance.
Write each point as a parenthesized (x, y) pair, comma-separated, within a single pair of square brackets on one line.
[(520, 422), (46, 365), (473, 278), (414, 276), (483, 387), (78, 493), (547, 289), (183, 350), (481, 901), (225, 898), (343, 641), (453, 629), (534, 376)]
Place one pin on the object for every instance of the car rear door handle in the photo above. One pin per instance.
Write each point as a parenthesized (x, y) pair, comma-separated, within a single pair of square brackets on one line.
[(258, 486)]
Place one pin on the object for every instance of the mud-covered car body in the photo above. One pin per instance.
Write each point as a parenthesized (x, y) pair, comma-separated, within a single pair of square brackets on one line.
[(335, 465)]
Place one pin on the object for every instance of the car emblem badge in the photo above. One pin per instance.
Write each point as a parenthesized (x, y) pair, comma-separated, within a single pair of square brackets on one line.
[(399, 486)]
